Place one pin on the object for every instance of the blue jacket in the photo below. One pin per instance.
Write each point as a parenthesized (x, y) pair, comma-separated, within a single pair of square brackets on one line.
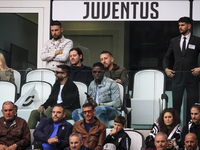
[(108, 93), (45, 128)]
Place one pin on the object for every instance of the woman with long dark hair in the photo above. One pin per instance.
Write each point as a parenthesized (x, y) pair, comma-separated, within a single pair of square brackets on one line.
[(168, 123)]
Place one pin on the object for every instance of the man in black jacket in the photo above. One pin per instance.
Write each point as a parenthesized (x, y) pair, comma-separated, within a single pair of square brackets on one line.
[(193, 125), (118, 136), (64, 92), (79, 72), (183, 51)]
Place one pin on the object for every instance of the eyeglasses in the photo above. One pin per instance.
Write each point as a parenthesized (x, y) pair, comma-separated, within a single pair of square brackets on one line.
[(88, 111), (97, 71), (57, 72)]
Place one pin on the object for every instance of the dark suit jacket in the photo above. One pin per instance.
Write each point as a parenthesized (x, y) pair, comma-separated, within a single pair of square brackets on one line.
[(183, 63)]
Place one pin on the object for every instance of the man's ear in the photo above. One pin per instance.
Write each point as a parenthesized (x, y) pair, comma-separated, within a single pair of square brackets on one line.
[(94, 111), (112, 59), (123, 126), (189, 26), (61, 29)]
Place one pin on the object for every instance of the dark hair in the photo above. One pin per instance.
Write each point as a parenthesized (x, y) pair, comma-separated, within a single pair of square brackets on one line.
[(65, 68), (79, 51), (88, 104), (120, 119), (56, 23), (197, 106), (99, 64), (59, 105), (176, 120), (104, 52), (186, 20)]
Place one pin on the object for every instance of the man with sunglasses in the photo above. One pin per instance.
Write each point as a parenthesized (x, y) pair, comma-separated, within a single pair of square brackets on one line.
[(90, 128), (64, 92), (103, 93)]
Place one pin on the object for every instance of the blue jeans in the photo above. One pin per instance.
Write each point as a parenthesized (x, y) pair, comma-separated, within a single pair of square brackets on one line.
[(103, 113)]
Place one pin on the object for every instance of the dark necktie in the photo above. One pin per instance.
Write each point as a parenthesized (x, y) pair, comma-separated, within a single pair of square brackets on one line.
[(183, 46)]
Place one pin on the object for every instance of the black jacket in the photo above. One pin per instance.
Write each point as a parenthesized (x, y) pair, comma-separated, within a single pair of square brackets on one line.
[(183, 63), (69, 94), (81, 74), (45, 128), (121, 140), (190, 128)]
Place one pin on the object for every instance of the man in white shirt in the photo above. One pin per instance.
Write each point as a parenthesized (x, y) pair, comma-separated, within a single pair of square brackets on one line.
[(56, 51)]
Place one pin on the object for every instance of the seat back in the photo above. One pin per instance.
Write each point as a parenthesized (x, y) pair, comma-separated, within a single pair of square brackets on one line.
[(149, 81), (41, 93), (121, 89), (137, 139), (41, 75), (17, 77), (148, 88), (7, 92), (82, 88)]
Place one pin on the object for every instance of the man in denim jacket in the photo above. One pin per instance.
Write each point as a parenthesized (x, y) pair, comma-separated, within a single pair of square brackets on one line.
[(104, 93)]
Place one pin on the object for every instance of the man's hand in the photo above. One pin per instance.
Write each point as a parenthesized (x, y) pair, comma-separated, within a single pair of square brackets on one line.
[(119, 81), (91, 101), (53, 140), (113, 132), (11, 147), (196, 71), (58, 52), (41, 109), (3, 147), (170, 73), (170, 144)]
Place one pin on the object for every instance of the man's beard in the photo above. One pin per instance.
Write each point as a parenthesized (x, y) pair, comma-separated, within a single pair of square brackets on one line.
[(59, 79), (184, 32), (58, 37)]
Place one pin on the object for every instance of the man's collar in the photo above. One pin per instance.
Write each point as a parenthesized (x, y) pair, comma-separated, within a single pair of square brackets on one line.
[(59, 40), (187, 36)]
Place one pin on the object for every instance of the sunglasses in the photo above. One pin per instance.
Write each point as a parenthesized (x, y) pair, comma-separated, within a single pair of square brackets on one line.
[(97, 71), (57, 72), (88, 111)]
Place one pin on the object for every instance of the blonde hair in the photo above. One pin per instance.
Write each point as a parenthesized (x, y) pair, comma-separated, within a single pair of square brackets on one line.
[(2, 59)]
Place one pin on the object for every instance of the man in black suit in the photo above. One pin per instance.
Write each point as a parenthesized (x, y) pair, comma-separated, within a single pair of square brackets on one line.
[(184, 51)]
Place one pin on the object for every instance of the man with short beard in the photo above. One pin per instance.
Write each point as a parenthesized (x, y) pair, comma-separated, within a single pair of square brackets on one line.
[(79, 72), (56, 51), (193, 126), (53, 133), (64, 92), (112, 70), (191, 142), (183, 54), (92, 130)]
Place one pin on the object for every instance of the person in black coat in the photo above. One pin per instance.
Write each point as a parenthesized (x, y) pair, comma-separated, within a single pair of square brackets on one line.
[(79, 72), (64, 92), (183, 51), (118, 136)]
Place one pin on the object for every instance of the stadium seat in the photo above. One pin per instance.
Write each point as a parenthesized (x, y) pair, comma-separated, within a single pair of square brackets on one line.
[(36, 93), (41, 75), (149, 98)]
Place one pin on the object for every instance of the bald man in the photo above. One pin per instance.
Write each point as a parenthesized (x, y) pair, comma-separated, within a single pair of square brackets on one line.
[(161, 141), (191, 142)]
